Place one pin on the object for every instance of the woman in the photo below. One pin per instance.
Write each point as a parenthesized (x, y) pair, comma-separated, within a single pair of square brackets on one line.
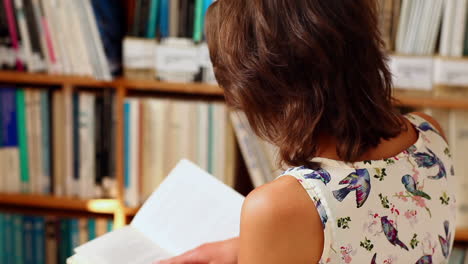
[(367, 185)]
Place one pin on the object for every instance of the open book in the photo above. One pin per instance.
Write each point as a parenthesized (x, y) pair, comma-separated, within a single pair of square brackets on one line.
[(189, 208)]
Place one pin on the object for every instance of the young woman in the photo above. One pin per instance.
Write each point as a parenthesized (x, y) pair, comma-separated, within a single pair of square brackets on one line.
[(367, 185)]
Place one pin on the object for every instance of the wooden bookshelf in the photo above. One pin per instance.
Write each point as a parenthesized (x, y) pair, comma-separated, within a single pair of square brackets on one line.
[(116, 207), (461, 235), (95, 206)]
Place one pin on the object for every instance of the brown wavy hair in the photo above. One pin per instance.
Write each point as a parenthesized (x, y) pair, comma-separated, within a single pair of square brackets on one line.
[(300, 69)]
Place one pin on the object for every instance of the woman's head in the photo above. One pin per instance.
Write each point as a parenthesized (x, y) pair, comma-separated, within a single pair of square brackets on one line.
[(301, 69)]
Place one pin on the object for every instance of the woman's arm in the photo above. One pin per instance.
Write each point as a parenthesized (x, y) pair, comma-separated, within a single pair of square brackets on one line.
[(280, 224)]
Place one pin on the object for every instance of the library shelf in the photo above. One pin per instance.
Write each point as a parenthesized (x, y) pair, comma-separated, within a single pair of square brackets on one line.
[(461, 235), (94, 206)]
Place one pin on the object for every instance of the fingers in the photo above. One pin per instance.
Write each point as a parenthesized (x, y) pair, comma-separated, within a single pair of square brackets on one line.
[(194, 256)]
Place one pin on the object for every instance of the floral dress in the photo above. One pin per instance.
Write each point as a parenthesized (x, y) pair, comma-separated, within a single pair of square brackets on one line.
[(396, 210)]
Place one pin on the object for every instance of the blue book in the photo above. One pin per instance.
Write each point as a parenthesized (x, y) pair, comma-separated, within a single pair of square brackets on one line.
[(28, 239), (74, 235), (46, 142), (39, 240), (127, 144), (110, 225), (164, 18), (206, 4), (9, 234), (2, 238), (9, 123), (91, 229), (18, 236), (64, 243), (153, 19), (110, 22)]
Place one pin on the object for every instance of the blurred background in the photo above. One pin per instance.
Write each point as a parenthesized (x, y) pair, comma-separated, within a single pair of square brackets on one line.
[(99, 99)]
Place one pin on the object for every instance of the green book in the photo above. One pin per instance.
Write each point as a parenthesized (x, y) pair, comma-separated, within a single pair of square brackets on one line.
[(23, 140), (153, 19), (18, 237), (198, 23), (465, 44)]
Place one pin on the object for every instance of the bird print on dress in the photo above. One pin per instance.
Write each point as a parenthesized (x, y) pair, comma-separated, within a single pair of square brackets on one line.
[(391, 233), (425, 260), (445, 241), (411, 186), (374, 259), (322, 212), (430, 160), (319, 174), (358, 181), (425, 126)]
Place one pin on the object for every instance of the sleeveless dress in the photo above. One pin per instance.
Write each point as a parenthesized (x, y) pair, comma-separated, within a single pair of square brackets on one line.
[(395, 210)]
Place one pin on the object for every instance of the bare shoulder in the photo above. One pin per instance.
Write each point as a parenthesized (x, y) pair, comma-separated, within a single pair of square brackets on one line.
[(277, 216), (433, 122)]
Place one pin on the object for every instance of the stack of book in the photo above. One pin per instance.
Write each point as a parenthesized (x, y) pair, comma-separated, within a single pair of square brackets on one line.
[(164, 41), (40, 240), (61, 37), (57, 142), (160, 132), (415, 26)]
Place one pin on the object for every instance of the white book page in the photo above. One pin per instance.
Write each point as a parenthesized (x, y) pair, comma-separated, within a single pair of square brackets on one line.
[(123, 246), (188, 209)]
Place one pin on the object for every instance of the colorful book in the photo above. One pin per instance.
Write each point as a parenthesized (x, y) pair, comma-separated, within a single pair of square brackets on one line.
[(23, 140), (198, 22), (91, 229), (39, 240), (9, 140), (10, 14), (46, 142), (18, 238), (153, 19), (164, 18), (28, 240)]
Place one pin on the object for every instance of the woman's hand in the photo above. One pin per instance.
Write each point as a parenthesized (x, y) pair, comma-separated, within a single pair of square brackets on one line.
[(223, 252)]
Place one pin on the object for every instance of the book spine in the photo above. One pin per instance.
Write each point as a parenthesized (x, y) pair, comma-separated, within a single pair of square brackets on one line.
[(38, 58), (51, 240), (58, 143), (91, 229), (153, 19), (65, 242), (13, 32), (23, 30), (127, 153), (36, 8), (48, 42), (68, 153), (37, 128), (210, 165), (87, 145), (8, 224), (174, 18), (29, 109), (100, 138), (76, 145), (28, 242), (39, 240), (74, 236), (9, 139), (18, 236), (2, 238), (46, 143), (164, 18), (83, 231), (198, 23), (23, 140)]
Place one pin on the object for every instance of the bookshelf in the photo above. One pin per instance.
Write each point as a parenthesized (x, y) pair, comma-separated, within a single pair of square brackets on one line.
[(115, 207)]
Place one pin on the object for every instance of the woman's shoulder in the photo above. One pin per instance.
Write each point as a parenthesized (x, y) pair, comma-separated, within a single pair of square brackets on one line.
[(275, 211), (431, 121)]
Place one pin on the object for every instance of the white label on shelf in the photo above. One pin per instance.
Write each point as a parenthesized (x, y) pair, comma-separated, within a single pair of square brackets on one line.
[(204, 53), (451, 72), (139, 53), (412, 72), (177, 59)]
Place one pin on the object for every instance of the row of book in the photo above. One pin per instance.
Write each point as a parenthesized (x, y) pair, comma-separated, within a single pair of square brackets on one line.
[(62, 36), (57, 142), (167, 18), (419, 27), (160, 132), (39, 240)]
